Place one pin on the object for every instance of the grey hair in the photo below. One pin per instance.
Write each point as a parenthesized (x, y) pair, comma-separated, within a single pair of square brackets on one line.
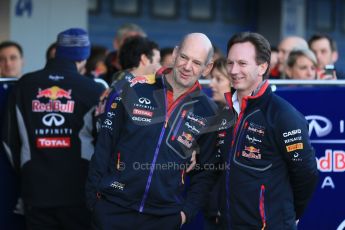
[(298, 52)]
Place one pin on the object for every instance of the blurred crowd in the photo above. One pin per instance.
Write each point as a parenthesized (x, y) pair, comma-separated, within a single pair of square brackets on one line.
[(292, 58)]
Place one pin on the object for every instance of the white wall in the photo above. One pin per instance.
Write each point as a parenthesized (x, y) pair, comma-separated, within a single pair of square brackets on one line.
[(37, 31)]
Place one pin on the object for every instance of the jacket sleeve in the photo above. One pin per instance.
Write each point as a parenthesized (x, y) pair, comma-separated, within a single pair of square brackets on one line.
[(202, 177), (294, 143), (110, 128), (10, 133)]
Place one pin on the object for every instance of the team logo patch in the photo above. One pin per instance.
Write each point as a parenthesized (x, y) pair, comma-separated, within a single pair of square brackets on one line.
[(142, 112), (186, 139), (196, 119), (54, 93), (251, 152), (147, 79), (53, 142), (294, 147)]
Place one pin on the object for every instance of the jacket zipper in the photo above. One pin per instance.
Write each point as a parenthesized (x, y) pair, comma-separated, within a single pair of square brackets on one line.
[(118, 161), (168, 113), (262, 206)]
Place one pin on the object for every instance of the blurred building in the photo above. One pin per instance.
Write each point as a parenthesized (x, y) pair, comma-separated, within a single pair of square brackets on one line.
[(34, 22)]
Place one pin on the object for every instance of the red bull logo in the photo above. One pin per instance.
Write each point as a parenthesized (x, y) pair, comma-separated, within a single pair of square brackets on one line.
[(148, 79), (187, 136), (54, 93), (333, 161), (251, 149)]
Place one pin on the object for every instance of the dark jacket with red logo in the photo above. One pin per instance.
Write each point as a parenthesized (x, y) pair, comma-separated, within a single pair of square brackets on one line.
[(49, 133), (271, 166), (144, 148)]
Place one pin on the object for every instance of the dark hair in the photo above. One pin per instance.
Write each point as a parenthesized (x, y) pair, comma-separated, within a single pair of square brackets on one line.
[(262, 46), (49, 51), (166, 51), (133, 48), (316, 37), (98, 54), (7, 44)]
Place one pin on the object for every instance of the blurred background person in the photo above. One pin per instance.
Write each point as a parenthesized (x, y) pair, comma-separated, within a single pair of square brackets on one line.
[(50, 53), (274, 64), (301, 64), (284, 48), (217, 52), (11, 59), (219, 82), (95, 65), (112, 60), (325, 49), (166, 56)]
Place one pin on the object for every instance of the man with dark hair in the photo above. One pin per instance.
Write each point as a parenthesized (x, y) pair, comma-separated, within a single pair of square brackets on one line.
[(49, 136), (325, 49), (271, 169), (140, 56), (11, 59), (149, 133), (125, 31)]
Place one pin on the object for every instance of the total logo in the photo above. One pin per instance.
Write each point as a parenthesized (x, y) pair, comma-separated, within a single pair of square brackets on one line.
[(53, 142)]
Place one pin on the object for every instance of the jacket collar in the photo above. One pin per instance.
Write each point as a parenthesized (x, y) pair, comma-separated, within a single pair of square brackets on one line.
[(61, 65), (256, 94)]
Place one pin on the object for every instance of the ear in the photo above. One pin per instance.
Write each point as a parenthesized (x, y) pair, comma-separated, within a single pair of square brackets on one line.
[(262, 68), (207, 69), (175, 53), (334, 56), (144, 60)]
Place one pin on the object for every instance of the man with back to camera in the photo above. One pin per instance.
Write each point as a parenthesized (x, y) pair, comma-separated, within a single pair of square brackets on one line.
[(11, 59), (272, 170), (49, 136), (152, 124)]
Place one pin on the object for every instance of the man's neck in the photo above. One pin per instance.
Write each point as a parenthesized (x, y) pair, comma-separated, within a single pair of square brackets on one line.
[(241, 94), (177, 91)]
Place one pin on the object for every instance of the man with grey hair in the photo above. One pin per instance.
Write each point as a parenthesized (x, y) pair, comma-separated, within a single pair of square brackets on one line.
[(284, 48), (171, 119)]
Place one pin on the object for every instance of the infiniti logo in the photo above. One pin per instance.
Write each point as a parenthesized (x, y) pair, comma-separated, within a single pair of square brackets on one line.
[(144, 100), (51, 119), (321, 125)]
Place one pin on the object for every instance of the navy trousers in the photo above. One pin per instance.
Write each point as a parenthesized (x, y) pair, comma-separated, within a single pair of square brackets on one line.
[(57, 218), (109, 216)]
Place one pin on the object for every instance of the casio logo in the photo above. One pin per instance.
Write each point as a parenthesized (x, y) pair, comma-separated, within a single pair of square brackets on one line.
[(291, 133)]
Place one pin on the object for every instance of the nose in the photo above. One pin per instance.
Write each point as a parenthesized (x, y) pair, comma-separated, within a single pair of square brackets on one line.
[(188, 65), (233, 69), (311, 72)]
